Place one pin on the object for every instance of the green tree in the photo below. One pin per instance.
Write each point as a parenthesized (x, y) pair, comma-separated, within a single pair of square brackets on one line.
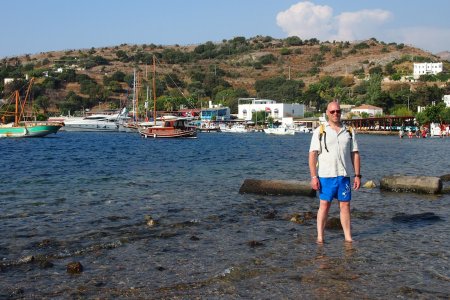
[(374, 92), (42, 102), (401, 111), (71, 103), (435, 113), (293, 41), (258, 117)]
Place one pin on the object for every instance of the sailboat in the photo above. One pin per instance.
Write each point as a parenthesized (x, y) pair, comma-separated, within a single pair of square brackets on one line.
[(21, 128), (170, 128)]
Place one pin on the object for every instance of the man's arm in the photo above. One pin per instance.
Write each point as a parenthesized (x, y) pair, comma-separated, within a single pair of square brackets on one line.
[(356, 160), (315, 184)]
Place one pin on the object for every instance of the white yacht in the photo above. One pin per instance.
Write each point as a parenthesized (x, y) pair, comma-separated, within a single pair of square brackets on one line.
[(280, 130), (95, 122), (235, 128)]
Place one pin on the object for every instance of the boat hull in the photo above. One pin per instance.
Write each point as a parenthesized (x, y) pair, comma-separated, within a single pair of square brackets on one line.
[(28, 131), (279, 131), (91, 127), (165, 132)]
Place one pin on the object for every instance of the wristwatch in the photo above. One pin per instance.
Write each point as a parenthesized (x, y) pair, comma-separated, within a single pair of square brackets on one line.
[(359, 176)]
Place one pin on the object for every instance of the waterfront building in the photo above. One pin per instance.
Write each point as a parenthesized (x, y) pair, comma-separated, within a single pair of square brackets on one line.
[(426, 69), (248, 106), (215, 113), (369, 109)]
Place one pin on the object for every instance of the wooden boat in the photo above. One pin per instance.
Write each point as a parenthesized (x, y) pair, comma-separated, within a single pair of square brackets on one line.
[(171, 128), (174, 128), (21, 128)]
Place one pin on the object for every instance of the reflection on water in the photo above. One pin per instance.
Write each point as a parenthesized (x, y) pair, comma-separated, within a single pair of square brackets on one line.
[(164, 219)]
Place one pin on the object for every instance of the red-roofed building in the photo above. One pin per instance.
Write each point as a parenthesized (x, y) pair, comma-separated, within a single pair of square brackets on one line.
[(369, 109)]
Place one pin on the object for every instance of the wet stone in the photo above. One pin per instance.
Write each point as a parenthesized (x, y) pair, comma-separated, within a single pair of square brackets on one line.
[(194, 238), (302, 218), (45, 264), (270, 214), (254, 244), (370, 184), (17, 292), (45, 243), (74, 268), (26, 259), (445, 177), (423, 217), (150, 221), (363, 215), (333, 224)]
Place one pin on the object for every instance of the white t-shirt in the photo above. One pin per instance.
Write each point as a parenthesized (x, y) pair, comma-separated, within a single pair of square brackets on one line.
[(337, 161)]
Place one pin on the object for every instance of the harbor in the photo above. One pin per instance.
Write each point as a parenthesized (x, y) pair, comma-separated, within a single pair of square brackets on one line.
[(165, 219)]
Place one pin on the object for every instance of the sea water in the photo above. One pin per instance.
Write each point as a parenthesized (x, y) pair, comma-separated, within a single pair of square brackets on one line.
[(157, 218)]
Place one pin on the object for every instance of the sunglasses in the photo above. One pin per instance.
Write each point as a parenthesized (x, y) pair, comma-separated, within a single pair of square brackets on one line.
[(337, 111)]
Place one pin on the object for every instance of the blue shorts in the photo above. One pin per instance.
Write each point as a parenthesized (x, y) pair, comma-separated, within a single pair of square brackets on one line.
[(335, 188)]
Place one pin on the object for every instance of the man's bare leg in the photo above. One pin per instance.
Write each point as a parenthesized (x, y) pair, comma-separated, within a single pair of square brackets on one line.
[(322, 216), (345, 220)]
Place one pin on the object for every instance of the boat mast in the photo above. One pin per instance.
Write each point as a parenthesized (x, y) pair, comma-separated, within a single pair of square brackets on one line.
[(154, 90), (16, 114), (134, 95), (22, 110), (137, 99)]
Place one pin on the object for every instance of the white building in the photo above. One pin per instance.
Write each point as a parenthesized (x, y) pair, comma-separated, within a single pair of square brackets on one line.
[(8, 80), (369, 109), (278, 111), (426, 69), (446, 99)]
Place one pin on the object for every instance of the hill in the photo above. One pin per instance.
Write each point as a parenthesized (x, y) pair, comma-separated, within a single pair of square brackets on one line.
[(256, 67)]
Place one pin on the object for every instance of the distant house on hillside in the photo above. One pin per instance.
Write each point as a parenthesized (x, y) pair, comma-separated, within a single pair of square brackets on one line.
[(369, 109), (446, 99), (346, 108), (426, 69)]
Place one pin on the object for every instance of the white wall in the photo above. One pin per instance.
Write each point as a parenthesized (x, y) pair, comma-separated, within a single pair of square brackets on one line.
[(276, 110)]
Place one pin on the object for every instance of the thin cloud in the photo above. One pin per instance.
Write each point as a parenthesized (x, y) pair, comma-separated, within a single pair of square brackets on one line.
[(428, 38), (307, 20), (360, 25)]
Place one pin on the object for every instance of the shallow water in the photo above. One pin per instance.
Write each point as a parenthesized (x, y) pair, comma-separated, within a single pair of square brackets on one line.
[(87, 197)]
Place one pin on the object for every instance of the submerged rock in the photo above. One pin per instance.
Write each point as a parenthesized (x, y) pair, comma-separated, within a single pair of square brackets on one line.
[(302, 218), (370, 184), (194, 238), (150, 221), (423, 217), (74, 268), (445, 177), (255, 244), (26, 259), (333, 224)]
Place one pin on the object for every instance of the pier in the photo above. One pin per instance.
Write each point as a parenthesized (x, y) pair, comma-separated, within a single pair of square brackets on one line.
[(382, 124)]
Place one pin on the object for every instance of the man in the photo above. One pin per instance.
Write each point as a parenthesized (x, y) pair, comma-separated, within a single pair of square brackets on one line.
[(333, 158)]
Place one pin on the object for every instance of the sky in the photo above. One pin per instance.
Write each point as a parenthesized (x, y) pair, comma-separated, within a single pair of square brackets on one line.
[(34, 26)]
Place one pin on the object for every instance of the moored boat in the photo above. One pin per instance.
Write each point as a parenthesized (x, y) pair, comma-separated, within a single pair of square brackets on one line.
[(29, 129), (281, 130), (174, 128), (20, 128), (95, 122), (234, 128)]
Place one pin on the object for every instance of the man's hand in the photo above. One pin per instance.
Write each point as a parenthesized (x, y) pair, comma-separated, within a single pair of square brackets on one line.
[(357, 183), (315, 183)]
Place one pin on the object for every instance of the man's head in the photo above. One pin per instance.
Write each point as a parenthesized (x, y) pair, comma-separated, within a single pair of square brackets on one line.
[(334, 112)]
